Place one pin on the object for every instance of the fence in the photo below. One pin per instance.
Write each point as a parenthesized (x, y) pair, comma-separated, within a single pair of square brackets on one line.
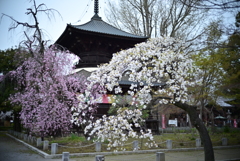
[(54, 147)]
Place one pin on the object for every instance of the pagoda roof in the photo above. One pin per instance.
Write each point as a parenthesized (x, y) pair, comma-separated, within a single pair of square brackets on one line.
[(97, 25)]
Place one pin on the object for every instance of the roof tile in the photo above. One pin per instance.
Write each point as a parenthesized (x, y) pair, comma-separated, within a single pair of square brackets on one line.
[(99, 26)]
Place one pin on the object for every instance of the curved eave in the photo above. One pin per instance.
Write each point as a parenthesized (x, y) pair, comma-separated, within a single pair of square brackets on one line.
[(101, 27), (70, 28)]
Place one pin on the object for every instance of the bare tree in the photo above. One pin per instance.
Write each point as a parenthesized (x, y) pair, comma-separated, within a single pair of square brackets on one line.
[(36, 38), (153, 18), (213, 4), (135, 16)]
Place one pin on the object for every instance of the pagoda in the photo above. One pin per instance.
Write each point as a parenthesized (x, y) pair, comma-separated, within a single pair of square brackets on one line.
[(95, 41)]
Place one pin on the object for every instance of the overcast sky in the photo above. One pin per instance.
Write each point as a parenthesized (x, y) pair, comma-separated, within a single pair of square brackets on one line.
[(71, 11), (75, 12)]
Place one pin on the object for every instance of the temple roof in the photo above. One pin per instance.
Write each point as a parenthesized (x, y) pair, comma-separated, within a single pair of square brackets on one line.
[(95, 41), (222, 101), (99, 26), (96, 26)]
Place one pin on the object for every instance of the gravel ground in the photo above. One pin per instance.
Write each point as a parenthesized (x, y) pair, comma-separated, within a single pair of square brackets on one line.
[(11, 150), (224, 154)]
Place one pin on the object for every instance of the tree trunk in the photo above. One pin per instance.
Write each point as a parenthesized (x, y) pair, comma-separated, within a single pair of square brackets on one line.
[(16, 122), (197, 122)]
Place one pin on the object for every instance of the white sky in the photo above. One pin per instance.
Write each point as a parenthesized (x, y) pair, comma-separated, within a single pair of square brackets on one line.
[(70, 10)]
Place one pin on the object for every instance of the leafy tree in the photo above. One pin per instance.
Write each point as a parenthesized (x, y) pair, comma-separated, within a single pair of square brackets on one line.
[(230, 63), (161, 61), (209, 60), (219, 62), (8, 62)]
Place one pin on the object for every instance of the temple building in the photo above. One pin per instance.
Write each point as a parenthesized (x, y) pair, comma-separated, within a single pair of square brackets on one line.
[(95, 41)]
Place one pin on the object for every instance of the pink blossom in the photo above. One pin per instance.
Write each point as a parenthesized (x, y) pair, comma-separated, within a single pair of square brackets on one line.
[(47, 92)]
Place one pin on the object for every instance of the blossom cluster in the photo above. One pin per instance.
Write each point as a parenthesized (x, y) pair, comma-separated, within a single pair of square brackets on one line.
[(160, 61), (46, 92), (118, 128), (159, 66)]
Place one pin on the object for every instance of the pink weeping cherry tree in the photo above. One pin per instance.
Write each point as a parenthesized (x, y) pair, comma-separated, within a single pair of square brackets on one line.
[(50, 96), (49, 93)]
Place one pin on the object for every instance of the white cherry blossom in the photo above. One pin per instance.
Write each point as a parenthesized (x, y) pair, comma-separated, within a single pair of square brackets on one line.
[(160, 66)]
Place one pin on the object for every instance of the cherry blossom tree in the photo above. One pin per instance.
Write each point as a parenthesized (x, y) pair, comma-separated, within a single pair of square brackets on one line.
[(48, 92), (49, 95), (162, 62)]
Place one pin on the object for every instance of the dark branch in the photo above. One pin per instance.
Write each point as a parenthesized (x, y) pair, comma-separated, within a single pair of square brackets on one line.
[(16, 23), (213, 5)]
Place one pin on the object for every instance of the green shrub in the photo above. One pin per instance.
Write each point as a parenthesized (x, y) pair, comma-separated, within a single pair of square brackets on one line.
[(226, 129), (3, 128)]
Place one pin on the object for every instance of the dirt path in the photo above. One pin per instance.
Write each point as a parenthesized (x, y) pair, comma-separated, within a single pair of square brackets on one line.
[(224, 154), (11, 150)]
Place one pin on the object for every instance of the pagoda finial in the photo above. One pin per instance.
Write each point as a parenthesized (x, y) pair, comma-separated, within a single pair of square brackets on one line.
[(96, 17), (96, 6)]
